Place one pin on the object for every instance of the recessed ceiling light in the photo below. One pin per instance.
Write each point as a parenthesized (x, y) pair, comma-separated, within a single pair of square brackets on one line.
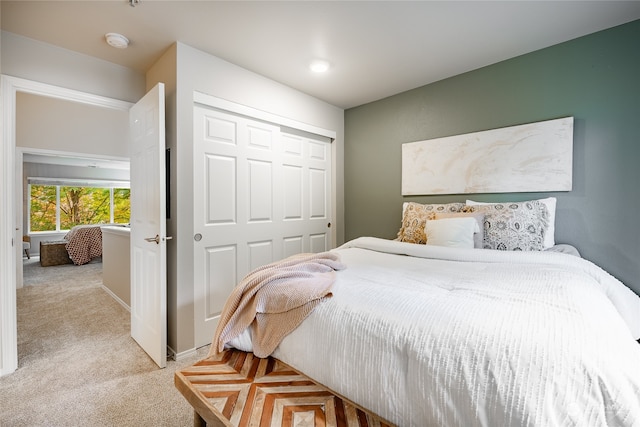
[(319, 66), (116, 40)]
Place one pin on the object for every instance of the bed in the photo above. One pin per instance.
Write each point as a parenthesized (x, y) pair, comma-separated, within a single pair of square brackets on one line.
[(84, 243), (442, 335)]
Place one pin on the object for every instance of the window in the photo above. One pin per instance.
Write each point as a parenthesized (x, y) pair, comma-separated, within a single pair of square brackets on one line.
[(61, 205), (121, 205)]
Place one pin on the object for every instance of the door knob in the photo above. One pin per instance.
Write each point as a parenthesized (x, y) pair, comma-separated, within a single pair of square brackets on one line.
[(153, 239), (157, 239)]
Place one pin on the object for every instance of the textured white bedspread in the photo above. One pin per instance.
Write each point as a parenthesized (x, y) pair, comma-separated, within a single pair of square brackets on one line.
[(468, 337)]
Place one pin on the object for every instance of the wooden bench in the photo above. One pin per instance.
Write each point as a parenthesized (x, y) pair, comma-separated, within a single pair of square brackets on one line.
[(238, 389), (54, 253)]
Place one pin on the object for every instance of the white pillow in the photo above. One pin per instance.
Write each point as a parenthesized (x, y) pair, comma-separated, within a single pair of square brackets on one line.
[(478, 236), (550, 203), (414, 216), (451, 232)]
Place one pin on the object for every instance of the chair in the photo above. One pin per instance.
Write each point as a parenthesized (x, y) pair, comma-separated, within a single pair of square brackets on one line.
[(26, 245)]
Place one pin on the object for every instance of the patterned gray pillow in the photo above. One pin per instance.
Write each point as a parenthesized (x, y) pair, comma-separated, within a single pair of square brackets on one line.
[(513, 226)]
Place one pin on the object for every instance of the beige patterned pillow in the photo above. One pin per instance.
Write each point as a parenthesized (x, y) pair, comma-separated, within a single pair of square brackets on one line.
[(415, 216), (513, 226)]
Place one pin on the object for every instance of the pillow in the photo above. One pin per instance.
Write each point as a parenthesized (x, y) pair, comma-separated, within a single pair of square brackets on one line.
[(565, 249), (478, 216), (451, 232), (514, 226), (550, 203), (414, 218)]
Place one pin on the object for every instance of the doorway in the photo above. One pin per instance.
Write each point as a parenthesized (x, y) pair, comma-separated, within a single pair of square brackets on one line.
[(11, 224), (36, 167)]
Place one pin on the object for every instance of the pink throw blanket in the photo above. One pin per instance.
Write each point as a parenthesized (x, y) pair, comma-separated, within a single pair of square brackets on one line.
[(274, 299)]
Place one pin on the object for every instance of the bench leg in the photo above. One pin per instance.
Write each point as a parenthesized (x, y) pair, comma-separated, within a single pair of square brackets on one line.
[(198, 421)]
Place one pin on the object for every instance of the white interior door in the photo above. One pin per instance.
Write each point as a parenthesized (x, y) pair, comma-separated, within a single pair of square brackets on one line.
[(260, 195), (148, 226)]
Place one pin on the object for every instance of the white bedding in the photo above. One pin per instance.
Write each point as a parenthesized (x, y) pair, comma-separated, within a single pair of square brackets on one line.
[(468, 337)]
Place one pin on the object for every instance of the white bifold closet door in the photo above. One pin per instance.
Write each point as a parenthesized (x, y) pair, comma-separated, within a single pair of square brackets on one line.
[(261, 193)]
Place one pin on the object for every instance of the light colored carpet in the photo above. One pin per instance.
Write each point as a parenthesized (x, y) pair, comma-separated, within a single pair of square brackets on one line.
[(78, 364)]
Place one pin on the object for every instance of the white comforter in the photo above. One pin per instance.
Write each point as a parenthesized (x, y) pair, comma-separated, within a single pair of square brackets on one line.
[(468, 337)]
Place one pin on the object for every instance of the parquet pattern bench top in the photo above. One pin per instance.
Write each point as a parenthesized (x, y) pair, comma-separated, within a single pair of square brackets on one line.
[(236, 388)]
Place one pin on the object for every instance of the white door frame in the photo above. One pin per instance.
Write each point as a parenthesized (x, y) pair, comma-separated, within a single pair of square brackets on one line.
[(254, 113), (10, 225)]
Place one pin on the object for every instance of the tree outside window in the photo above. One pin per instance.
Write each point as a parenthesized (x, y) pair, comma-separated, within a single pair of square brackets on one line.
[(121, 205), (76, 206), (43, 208)]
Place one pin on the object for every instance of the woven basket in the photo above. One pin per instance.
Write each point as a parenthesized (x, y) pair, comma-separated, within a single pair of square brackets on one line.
[(54, 253)]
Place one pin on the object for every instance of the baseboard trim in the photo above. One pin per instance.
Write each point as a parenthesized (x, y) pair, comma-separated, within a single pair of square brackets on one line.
[(115, 297), (171, 353)]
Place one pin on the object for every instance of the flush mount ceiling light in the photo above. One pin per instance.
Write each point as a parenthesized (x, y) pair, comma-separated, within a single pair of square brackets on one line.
[(319, 66), (116, 40)]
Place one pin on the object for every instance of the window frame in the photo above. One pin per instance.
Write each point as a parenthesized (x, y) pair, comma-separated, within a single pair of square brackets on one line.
[(62, 182)]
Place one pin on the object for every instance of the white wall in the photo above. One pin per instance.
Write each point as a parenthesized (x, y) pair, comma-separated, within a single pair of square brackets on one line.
[(41, 62), (6, 352), (54, 124), (28, 59), (178, 311), (198, 71), (183, 70), (44, 123)]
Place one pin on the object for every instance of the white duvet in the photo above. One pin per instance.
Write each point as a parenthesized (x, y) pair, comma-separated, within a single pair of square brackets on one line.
[(434, 336)]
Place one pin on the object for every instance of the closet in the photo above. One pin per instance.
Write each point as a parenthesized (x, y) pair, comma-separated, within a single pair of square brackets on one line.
[(252, 176), (262, 192)]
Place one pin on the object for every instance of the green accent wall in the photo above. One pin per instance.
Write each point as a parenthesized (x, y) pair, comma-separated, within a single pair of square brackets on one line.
[(595, 79)]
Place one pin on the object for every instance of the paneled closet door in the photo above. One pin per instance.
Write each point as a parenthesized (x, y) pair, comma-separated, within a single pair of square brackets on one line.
[(260, 195), (306, 192)]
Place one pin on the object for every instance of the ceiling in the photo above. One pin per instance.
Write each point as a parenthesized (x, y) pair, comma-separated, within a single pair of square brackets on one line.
[(376, 49), (67, 160)]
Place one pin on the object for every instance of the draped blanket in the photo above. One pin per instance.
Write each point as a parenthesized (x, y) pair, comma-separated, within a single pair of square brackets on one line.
[(274, 299), (434, 336), (84, 242)]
